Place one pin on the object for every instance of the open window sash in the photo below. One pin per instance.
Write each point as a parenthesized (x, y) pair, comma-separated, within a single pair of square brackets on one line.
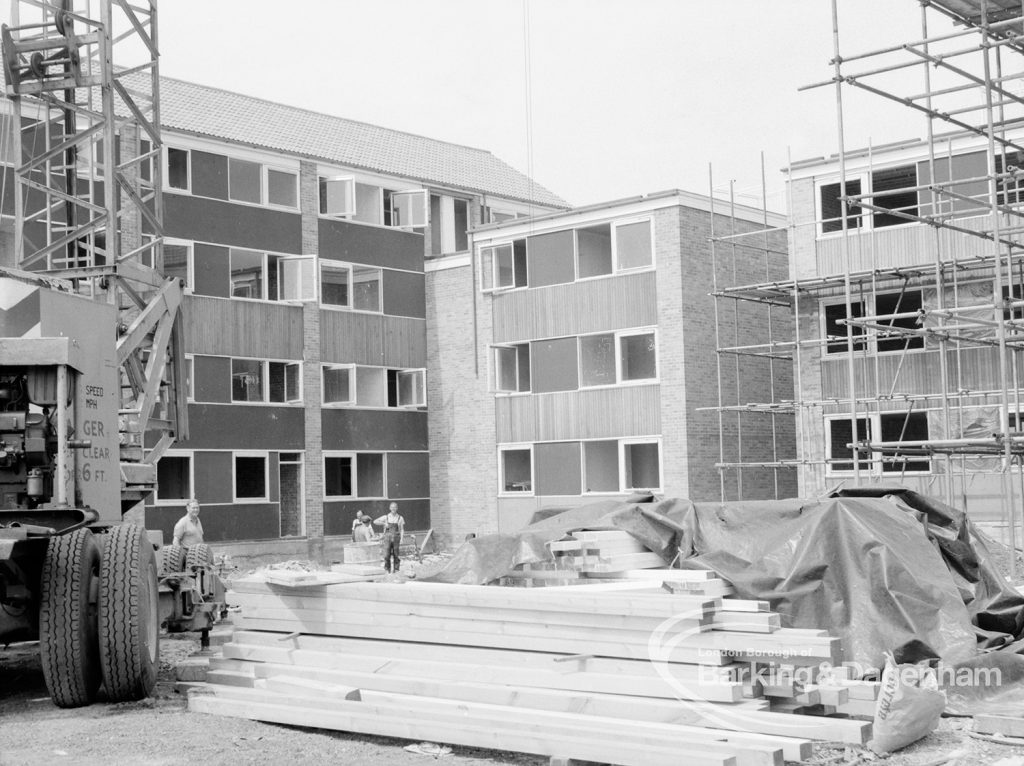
[(296, 278), (338, 196), (409, 208)]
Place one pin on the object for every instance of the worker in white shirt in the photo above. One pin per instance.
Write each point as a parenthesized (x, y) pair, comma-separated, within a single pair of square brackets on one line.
[(189, 529), (394, 532)]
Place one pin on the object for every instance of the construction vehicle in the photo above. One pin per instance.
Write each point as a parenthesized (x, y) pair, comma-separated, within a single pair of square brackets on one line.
[(91, 358)]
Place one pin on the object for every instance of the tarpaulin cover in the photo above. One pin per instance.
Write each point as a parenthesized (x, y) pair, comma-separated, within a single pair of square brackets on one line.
[(884, 569)]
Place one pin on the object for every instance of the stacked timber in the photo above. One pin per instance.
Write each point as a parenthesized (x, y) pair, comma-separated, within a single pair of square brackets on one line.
[(605, 552), (618, 672)]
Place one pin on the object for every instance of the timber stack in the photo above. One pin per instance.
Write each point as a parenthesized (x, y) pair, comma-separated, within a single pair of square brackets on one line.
[(657, 666)]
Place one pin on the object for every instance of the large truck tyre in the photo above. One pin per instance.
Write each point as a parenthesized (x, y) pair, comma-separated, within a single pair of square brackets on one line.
[(198, 555), (68, 628), (129, 614), (172, 560)]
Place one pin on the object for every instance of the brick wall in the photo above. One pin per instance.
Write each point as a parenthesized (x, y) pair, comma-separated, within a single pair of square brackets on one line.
[(463, 470), (313, 465)]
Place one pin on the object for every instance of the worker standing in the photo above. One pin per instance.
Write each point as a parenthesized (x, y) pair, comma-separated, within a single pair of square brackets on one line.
[(394, 532), (189, 529)]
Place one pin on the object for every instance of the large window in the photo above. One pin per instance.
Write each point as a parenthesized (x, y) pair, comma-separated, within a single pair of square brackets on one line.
[(898, 316), (516, 469), (178, 169), (840, 434), (833, 210), (178, 261), (350, 287), (344, 197), (449, 224), (259, 380), (836, 329), (407, 388), (611, 358), (512, 368), (229, 178), (354, 475), (174, 478), (893, 189), (641, 466), (250, 481), (889, 427), (337, 384), (363, 386), (504, 266), (904, 427)]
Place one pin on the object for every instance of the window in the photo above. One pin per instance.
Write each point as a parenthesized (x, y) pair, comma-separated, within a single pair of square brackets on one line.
[(244, 182), (903, 427), (337, 385), (512, 368), (516, 469), (1011, 184), (337, 196), (633, 248), (612, 358), (494, 215), (593, 251), (178, 168), (405, 209), (256, 380), (190, 379), (250, 477), (504, 266), (840, 434), (247, 274), (833, 211), (641, 466), (371, 387), (352, 287), (296, 278), (173, 478), (354, 475), (406, 388), (889, 304), (449, 224), (601, 466), (178, 261), (836, 332), (892, 188), (282, 188)]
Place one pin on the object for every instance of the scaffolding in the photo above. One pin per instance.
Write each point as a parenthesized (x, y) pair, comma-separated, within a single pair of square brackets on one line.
[(904, 297)]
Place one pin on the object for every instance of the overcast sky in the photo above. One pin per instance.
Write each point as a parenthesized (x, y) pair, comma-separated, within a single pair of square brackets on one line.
[(625, 96)]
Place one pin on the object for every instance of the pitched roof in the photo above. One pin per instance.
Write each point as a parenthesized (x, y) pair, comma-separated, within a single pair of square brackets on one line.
[(206, 111)]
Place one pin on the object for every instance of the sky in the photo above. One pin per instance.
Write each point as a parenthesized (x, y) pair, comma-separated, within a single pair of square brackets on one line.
[(598, 99)]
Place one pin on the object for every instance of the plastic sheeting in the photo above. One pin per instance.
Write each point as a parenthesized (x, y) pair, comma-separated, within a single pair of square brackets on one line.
[(884, 569)]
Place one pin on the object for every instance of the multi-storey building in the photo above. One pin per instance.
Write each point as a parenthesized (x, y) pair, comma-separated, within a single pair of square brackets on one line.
[(573, 359), (301, 239)]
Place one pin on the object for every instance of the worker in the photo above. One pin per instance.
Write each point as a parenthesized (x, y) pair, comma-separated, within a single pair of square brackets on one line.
[(189, 529), (394, 533), (362, 528)]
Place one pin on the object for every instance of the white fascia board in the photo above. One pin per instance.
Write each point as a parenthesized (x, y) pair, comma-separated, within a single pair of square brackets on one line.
[(269, 158), (446, 262), (606, 212)]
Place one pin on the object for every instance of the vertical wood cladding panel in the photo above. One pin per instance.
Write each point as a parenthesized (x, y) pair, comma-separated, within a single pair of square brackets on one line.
[(551, 258), (408, 474), (209, 174), (211, 269), (242, 328), (405, 294), (370, 245), (211, 378), (603, 413), (213, 472), (558, 468), (349, 337), (226, 223), (338, 514), (551, 312)]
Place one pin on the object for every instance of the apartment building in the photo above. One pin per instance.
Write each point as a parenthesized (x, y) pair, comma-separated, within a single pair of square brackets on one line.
[(591, 370), (301, 239)]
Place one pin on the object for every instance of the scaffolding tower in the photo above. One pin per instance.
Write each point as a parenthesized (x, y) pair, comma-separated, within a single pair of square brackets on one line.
[(904, 305)]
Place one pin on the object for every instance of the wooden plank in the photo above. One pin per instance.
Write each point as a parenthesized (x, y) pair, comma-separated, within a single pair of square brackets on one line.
[(563, 662), (1010, 726), (710, 588), (348, 669), (625, 561), (286, 684), (542, 574), (369, 719), (483, 596), (661, 575), (369, 611), (699, 655), (747, 622), (860, 708), (862, 690), (744, 605)]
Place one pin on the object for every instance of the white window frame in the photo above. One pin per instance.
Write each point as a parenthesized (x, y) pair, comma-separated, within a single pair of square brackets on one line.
[(190, 261), (266, 186), (619, 468), (354, 455), (503, 448), (265, 373), (623, 443), (166, 159), (868, 340), (262, 176), (234, 475), (351, 269), (618, 335), (308, 288), (448, 233), (351, 385), (862, 214), (265, 285), (350, 182), (496, 387), (873, 465), (616, 267), (190, 378), (487, 280), (190, 454), (424, 207), (419, 374)]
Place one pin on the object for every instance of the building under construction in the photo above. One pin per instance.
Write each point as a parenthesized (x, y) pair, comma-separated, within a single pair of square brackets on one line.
[(904, 311)]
